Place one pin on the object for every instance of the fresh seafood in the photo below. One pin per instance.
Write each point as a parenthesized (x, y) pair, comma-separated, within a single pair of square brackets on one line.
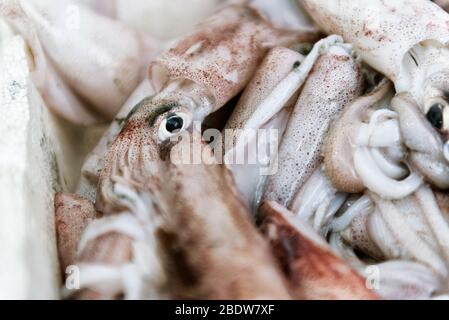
[(364, 149), (72, 215), (145, 16), (425, 155), (95, 160), (191, 80), (84, 86), (222, 53), (211, 65), (265, 105), (140, 204), (248, 157), (314, 271), (277, 64), (406, 40), (334, 81), (399, 218), (409, 233)]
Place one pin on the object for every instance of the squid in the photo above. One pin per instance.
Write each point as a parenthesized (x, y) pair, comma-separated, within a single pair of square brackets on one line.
[(145, 16), (398, 220), (409, 229), (406, 40), (267, 105), (151, 201), (334, 81), (211, 65), (85, 86), (364, 148), (94, 162), (399, 245), (370, 195), (277, 64), (313, 270), (142, 218)]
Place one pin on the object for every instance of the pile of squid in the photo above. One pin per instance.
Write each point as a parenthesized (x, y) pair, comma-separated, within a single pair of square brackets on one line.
[(354, 204)]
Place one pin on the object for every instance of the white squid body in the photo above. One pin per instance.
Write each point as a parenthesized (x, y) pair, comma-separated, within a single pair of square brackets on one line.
[(265, 104), (384, 32), (162, 19), (407, 41), (276, 65), (334, 81), (86, 65)]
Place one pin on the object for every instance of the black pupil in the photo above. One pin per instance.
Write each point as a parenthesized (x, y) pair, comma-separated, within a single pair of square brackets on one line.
[(174, 123), (435, 115)]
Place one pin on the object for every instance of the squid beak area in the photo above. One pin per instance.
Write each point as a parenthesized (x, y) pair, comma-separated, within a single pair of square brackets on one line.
[(312, 270)]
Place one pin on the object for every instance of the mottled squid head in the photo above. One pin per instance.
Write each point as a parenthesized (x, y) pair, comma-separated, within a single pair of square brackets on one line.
[(152, 129)]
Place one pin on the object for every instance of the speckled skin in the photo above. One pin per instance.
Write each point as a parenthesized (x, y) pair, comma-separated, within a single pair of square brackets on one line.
[(382, 31), (72, 215), (208, 242), (406, 40), (276, 65), (223, 52), (334, 82)]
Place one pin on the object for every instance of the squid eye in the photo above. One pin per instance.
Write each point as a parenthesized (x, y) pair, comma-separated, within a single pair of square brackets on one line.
[(173, 124), (435, 115)]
